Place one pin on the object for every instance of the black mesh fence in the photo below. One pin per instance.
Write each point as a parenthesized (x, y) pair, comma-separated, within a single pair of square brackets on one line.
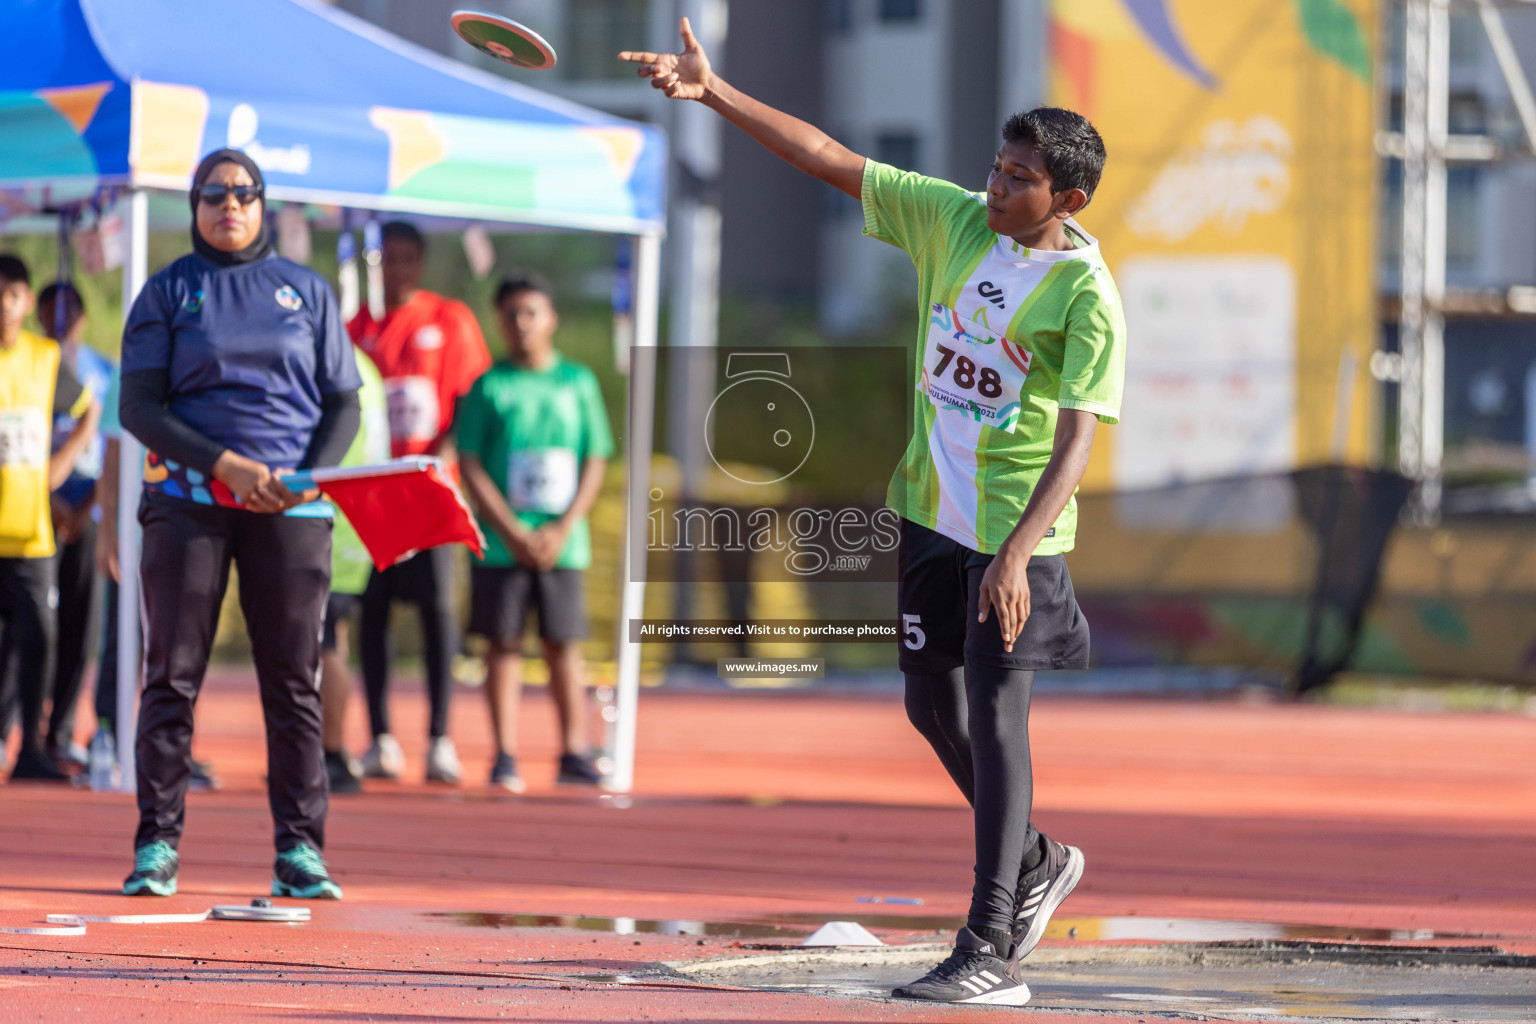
[(1305, 573)]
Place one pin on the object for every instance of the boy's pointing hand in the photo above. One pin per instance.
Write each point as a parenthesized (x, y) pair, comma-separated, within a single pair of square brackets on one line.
[(682, 76)]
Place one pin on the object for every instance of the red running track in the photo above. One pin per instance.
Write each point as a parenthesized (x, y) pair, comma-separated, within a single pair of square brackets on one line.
[(751, 806)]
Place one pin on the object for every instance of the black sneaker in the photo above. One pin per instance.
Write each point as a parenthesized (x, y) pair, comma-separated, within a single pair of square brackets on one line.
[(578, 770), (1041, 891), (34, 765), (68, 754), (504, 774), (202, 779), (973, 973), (338, 774), (154, 871), (301, 874)]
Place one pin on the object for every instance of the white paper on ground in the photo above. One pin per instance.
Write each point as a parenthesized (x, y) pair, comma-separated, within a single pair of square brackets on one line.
[(842, 933)]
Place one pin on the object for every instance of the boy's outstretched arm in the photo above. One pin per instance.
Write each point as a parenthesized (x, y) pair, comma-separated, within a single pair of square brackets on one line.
[(688, 76)]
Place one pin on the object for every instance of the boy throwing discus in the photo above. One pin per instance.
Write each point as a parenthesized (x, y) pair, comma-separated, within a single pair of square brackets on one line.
[(1021, 351)]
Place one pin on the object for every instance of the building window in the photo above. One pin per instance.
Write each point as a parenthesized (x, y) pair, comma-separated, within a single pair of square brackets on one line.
[(839, 16), (1462, 188), (898, 148), (595, 31), (901, 10)]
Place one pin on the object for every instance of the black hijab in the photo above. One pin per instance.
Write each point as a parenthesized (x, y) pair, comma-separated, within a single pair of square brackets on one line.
[(262, 246)]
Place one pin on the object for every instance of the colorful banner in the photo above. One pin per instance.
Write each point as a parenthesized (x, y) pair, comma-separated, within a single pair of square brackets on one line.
[(1237, 212), (98, 93)]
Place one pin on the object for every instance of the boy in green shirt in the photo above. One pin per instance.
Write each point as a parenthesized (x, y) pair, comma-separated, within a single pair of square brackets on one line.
[(533, 442), (1020, 353)]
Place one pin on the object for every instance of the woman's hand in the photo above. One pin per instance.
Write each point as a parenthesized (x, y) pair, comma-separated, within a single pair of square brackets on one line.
[(246, 479), (682, 76), (277, 491), (1005, 587)]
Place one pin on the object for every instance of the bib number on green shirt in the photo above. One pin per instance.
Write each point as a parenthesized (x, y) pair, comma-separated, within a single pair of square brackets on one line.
[(542, 480), (972, 371)]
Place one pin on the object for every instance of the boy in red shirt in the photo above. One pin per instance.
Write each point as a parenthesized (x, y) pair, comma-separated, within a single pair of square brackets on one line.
[(429, 350)]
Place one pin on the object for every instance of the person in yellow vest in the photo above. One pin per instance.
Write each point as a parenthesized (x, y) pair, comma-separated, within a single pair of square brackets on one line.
[(351, 567), (35, 386)]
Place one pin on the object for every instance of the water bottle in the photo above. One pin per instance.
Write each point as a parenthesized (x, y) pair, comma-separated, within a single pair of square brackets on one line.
[(102, 760)]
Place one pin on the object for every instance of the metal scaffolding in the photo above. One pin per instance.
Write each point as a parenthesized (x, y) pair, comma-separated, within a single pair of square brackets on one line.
[(1425, 146)]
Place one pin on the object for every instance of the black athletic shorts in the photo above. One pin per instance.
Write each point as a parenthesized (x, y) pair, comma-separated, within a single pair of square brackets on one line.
[(338, 608), (937, 602), (500, 598)]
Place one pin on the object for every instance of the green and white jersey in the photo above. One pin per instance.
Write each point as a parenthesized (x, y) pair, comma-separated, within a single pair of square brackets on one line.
[(532, 430), (1007, 336)]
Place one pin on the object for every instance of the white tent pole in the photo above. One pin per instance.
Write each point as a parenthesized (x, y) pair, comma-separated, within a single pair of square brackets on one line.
[(130, 483), (637, 479)]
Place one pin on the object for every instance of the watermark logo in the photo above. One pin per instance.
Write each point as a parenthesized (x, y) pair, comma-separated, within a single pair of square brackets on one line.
[(801, 445), (759, 393)]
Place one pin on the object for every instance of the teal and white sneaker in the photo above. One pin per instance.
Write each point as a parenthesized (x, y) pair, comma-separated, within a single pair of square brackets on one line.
[(154, 871), (300, 873)]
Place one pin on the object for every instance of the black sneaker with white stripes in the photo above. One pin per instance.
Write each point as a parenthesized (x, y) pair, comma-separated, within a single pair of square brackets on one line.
[(973, 973), (1041, 891)]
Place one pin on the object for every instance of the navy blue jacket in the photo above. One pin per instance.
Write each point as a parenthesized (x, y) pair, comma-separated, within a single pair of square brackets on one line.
[(250, 350)]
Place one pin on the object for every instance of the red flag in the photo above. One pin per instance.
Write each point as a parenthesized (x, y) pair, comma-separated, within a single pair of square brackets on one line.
[(399, 510)]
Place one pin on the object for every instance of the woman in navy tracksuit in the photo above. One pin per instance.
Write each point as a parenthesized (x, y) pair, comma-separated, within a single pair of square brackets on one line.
[(235, 370)]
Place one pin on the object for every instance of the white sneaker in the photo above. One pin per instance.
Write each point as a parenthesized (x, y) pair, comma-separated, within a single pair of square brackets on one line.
[(385, 759), (443, 762)]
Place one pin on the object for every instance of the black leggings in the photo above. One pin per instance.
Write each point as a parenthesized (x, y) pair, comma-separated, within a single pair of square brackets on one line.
[(27, 598), (425, 580), (285, 574), (77, 617), (106, 665), (976, 718)]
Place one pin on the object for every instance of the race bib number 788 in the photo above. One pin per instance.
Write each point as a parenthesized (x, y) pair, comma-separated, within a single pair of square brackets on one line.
[(972, 371)]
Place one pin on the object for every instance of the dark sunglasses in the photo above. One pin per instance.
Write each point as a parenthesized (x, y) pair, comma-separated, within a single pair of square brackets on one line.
[(214, 195)]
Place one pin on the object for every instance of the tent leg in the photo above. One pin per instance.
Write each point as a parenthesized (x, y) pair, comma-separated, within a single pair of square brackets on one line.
[(130, 484), (637, 481)]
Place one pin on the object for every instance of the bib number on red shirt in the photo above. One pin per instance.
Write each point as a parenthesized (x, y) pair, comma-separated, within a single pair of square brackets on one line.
[(414, 415)]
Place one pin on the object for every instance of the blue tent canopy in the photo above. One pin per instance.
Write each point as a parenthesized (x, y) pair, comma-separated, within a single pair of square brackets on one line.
[(101, 93)]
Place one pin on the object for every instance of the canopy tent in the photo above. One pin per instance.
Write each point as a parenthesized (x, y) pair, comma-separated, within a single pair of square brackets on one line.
[(334, 110), (99, 95)]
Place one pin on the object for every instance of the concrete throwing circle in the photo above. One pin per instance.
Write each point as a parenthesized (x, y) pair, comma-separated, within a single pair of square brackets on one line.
[(1296, 980)]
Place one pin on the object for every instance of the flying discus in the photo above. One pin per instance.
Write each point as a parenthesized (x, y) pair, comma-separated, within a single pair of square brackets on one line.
[(504, 39)]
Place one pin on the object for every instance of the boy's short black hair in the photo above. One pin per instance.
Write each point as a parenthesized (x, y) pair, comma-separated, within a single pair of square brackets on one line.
[(13, 270), (1070, 147), (404, 231), (74, 305), (524, 281)]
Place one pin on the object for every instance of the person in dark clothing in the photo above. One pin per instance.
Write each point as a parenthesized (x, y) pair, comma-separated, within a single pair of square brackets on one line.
[(61, 312), (235, 370), (429, 350)]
